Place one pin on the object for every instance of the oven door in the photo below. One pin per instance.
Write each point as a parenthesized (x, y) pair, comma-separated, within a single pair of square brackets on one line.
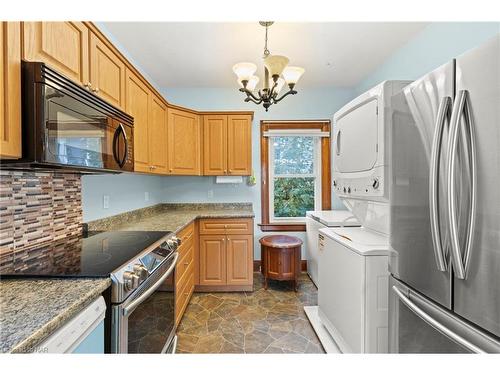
[(81, 135), (145, 322)]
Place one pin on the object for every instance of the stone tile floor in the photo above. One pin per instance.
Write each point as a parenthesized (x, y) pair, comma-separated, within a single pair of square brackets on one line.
[(263, 321)]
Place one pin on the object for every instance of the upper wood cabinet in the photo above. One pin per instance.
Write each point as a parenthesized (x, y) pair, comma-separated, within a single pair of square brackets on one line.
[(215, 145), (239, 145), (184, 140), (62, 45), (158, 155), (137, 105), (227, 145), (10, 90), (107, 73)]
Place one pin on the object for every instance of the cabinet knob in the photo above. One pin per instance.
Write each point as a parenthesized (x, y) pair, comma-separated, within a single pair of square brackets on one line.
[(88, 86), (96, 90)]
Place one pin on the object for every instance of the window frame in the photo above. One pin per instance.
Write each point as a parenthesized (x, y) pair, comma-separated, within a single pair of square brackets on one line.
[(322, 199)]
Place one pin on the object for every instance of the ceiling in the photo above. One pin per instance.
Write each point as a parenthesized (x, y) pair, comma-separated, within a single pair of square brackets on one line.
[(200, 54)]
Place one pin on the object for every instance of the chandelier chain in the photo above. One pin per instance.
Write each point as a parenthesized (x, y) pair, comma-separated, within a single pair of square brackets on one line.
[(266, 51)]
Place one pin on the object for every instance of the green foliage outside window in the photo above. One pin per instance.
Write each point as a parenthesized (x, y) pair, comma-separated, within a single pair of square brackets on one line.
[(293, 196)]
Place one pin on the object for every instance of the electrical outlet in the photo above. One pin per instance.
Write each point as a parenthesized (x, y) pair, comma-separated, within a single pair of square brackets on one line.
[(146, 196), (105, 201), (210, 193)]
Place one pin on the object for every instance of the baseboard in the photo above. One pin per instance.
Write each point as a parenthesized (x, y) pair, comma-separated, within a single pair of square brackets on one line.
[(223, 288), (256, 265)]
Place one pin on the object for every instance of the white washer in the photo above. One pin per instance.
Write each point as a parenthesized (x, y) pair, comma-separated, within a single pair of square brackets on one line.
[(354, 306), (316, 220)]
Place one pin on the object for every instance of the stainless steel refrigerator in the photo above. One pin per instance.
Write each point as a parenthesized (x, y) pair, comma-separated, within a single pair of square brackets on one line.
[(445, 209)]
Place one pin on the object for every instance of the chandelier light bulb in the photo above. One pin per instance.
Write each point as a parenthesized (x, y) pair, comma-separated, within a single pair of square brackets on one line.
[(244, 71), (275, 64), (252, 83), (292, 74), (279, 84)]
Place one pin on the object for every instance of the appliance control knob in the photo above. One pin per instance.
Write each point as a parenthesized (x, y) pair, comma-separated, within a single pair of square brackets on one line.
[(375, 183), (128, 280), (334, 183), (140, 271), (171, 244), (349, 190), (344, 189), (177, 240)]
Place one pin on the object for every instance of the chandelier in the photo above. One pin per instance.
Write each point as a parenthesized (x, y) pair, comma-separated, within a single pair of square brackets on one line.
[(276, 74)]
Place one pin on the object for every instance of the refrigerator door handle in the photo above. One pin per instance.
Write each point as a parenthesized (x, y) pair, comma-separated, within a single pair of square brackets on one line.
[(443, 113), (461, 107), (434, 323)]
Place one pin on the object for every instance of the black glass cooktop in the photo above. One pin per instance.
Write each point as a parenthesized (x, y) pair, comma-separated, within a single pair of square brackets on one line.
[(96, 255)]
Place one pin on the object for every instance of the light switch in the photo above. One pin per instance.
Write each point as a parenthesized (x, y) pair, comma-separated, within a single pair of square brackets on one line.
[(105, 201)]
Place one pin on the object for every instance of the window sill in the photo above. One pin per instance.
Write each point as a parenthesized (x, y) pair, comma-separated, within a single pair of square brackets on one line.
[(282, 227)]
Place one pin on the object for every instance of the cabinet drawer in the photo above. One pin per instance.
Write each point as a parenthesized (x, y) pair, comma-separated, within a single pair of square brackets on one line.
[(183, 295), (226, 226), (183, 265), (186, 235)]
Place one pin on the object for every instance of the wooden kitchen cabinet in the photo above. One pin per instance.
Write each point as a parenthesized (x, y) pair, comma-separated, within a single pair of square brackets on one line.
[(213, 259), (185, 270), (239, 254), (62, 45), (227, 145), (184, 142), (214, 145), (137, 105), (158, 155), (226, 254), (10, 90), (107, 72), (239, 145)]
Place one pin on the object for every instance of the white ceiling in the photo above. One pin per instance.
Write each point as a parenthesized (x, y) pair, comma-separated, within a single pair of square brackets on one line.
[(198, 54)]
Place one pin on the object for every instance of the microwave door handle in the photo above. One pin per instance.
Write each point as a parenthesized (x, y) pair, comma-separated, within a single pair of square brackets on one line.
[(337, 145), (434, 323), (120, 130), (443, 112), (132, 306)]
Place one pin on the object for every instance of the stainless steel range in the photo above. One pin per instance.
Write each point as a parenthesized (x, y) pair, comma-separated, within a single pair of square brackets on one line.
[(141, 266)]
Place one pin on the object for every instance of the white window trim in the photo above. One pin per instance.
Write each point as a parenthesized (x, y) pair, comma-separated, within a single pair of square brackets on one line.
[(317, 182)]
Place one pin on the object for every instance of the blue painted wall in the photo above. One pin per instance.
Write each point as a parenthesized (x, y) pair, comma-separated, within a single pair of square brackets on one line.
[(435, 45)]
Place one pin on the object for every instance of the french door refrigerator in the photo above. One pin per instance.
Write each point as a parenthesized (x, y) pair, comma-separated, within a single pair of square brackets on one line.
[(445, 209)]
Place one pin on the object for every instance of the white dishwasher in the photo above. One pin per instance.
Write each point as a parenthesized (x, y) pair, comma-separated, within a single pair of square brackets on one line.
[(84, 333), (316, 220)]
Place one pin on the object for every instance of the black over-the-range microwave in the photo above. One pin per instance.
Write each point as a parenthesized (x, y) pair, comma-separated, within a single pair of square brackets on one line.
[(66, 127)]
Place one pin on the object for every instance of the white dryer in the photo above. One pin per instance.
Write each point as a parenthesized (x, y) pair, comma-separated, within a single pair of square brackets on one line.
[(354, 306), (316, 220)]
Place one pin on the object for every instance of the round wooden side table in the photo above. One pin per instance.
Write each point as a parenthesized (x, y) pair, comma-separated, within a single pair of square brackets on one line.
[(280, 255)]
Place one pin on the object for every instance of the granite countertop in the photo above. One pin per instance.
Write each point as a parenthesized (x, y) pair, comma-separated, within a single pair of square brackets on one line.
[(171, 217), (32, 309)]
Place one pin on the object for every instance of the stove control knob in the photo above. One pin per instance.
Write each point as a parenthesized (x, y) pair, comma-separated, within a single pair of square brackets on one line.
[(334, 183), (375, 183), (130, 281), (177, 240), (171, 244), (140, 271)]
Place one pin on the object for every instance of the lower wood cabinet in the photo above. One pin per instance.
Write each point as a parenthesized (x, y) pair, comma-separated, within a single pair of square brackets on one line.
[(239, 259), (185, 271)]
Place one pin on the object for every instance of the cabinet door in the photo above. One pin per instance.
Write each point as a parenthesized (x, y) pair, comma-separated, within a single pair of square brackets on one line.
[(239, 145), (10, 90), (62, 45), (273, 263), (184, 142), (214, 145), (213, 260), (137, 105), (239, 260), (158, 136), (107, 73)]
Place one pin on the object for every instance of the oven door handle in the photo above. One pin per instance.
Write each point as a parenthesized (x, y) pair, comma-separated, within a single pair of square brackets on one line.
[(130, 308)]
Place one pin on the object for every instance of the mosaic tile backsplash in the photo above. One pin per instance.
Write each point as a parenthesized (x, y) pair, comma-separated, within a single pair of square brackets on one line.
[(37, 208)]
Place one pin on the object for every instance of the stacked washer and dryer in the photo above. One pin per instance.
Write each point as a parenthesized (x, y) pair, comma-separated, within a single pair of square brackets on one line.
[(352, 262)]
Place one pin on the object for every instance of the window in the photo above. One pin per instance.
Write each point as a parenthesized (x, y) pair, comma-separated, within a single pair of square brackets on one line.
[(295, 172)]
